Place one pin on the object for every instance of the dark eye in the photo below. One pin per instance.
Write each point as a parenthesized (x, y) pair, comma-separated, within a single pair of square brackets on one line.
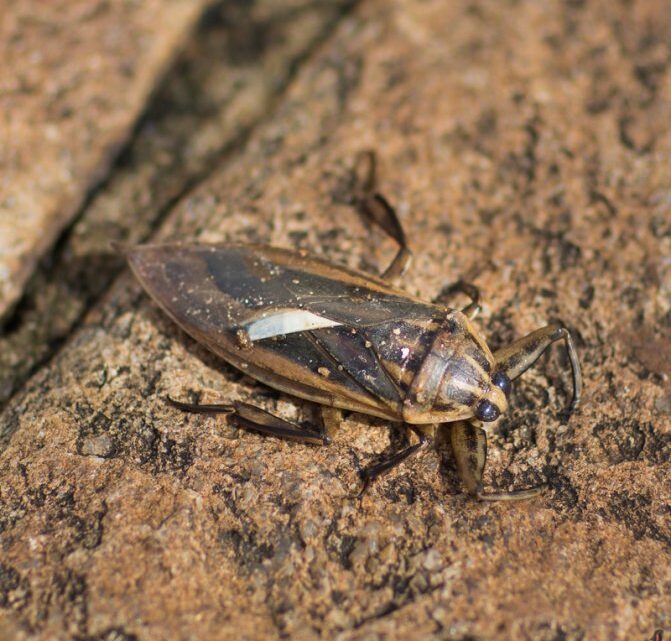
[(502, 381), (486, 411)]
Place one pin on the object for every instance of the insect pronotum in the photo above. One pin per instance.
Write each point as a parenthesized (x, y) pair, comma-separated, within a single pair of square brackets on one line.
[(345, 339)]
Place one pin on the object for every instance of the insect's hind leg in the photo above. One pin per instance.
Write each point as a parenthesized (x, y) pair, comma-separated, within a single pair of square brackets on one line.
[(255, 419), (469, 444), (330, 418), (369, 474), (515, 359), (461, 287), (375, 208)]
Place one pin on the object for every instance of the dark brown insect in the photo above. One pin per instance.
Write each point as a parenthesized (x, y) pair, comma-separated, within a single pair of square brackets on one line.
[(345, 339)]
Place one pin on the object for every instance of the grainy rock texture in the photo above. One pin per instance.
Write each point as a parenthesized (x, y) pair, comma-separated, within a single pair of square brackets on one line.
[(74, 76), (527, 148)]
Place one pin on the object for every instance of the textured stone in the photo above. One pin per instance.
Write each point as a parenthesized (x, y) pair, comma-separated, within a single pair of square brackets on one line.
[(526, 148), (74, 76)]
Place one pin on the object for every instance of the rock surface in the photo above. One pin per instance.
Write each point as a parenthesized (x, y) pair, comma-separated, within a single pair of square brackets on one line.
[(527, 149), (73, 79)]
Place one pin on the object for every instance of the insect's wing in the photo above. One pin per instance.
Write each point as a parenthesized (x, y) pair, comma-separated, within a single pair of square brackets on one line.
[(317, 329), (179, 279), (220, 287)]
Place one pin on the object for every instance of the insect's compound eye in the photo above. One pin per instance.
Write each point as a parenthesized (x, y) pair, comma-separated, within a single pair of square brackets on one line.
[(487, 411), (501, 380)]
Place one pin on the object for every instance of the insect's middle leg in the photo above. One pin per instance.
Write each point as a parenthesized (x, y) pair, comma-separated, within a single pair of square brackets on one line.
[(461, 287), (469, 444), (375, 208), (255, 419), (369, 474)]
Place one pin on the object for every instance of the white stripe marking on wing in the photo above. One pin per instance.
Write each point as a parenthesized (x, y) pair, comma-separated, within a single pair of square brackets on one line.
[(286, 321)]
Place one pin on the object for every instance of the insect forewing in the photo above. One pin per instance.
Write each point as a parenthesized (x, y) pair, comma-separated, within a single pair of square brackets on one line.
[(317, 330)]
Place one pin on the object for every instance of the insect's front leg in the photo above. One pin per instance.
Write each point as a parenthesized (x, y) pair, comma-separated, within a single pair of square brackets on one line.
[(515, 359), (469, 444), (375, 208)]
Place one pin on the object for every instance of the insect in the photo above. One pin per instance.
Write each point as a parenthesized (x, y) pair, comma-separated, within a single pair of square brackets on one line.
[(345, 339)]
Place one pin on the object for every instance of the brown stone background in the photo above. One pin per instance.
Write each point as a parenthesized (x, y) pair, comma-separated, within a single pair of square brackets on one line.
[(73, 78), (527, 147)]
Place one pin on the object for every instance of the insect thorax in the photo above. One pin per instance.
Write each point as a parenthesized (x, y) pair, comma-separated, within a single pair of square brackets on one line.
[(453, 375)]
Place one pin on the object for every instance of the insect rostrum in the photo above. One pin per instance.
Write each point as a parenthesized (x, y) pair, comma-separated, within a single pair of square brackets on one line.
[(345, 339)]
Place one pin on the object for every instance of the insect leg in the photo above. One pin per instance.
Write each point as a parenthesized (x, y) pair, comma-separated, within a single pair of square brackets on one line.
[(255, 419), (460, 287), (523, 353), (469, 444), (330, 419), (375, 208), (369, 474)]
